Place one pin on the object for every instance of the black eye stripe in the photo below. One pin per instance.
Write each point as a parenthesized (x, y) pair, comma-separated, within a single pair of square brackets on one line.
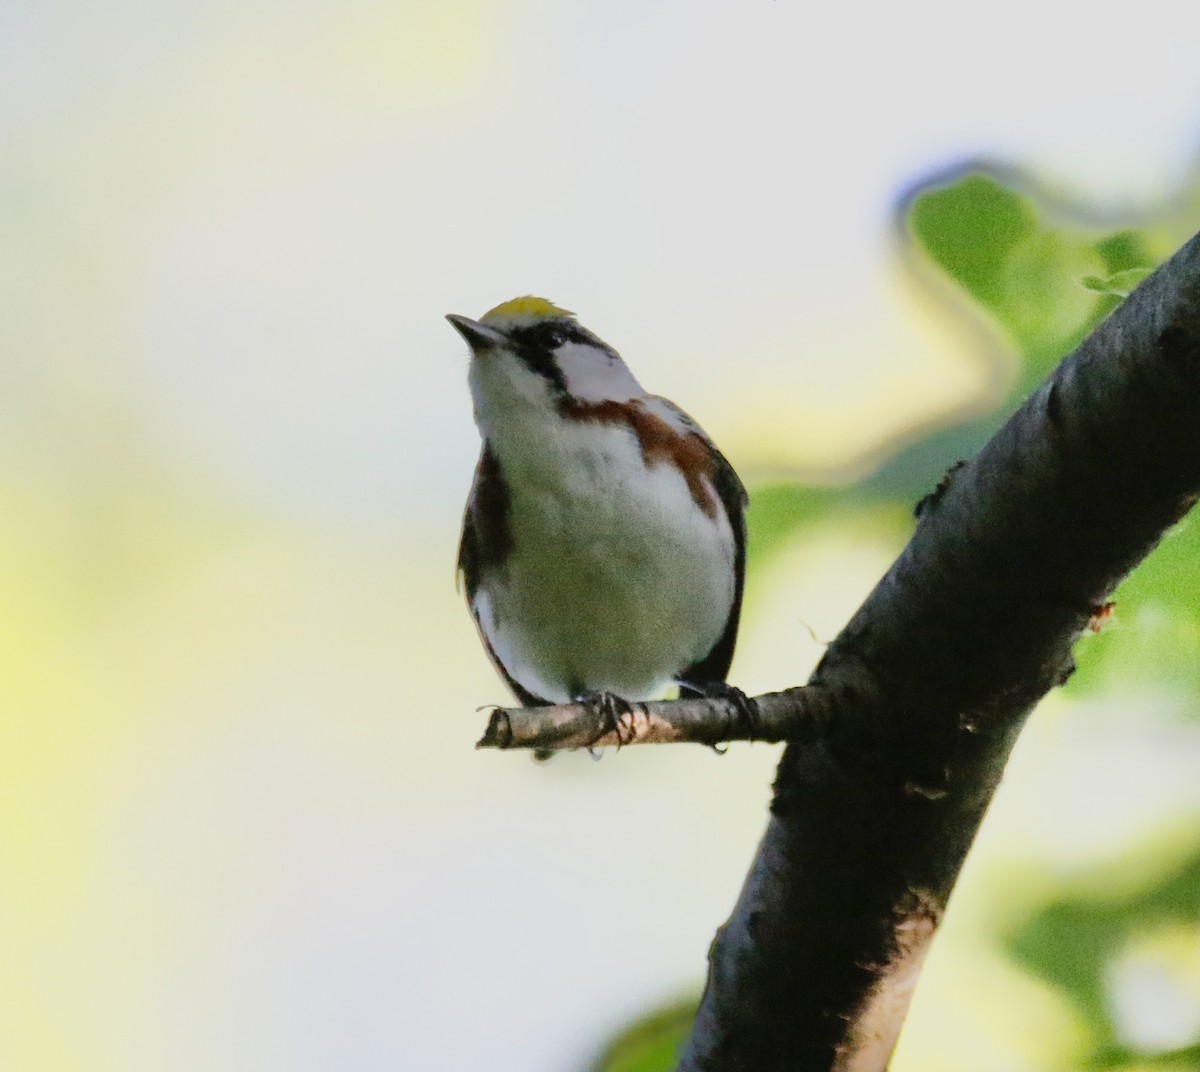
[(535, 345), (551, 334)]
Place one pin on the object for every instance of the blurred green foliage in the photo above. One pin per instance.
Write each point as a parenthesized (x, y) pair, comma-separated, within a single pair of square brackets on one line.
[(653, 1043), (1044, 280), (1036, 278), (994, 247), (1078, 943), (1044, 284)]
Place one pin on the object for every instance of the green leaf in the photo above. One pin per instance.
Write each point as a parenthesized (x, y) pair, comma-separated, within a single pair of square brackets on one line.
[(1123, 250), (1013, 257), (1045, 282), (970, 230), (652, 1044), (1120, 283)]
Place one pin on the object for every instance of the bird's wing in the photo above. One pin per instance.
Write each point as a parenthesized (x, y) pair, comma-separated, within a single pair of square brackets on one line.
[(729, 486), (732, 493), (484, 544)]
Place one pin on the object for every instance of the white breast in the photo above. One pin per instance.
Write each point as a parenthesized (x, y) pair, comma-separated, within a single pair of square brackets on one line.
[(616, 579)]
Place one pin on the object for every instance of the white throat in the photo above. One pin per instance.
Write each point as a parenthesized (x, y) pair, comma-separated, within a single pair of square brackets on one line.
[(506, 392)]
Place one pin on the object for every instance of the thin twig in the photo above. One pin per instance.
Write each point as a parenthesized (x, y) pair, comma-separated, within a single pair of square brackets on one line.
[(796, 714)]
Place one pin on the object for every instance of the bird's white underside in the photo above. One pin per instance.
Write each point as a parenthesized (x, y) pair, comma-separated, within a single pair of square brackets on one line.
[(617, 580)]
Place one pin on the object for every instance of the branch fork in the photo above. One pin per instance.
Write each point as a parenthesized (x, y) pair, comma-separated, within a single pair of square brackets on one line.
[(900, 738)]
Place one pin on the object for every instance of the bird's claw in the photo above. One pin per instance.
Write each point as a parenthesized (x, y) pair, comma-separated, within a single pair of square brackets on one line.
[(611, 711), (745, 708)]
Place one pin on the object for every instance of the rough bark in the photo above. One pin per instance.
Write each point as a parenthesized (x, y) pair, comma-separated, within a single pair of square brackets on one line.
[(932, 680)]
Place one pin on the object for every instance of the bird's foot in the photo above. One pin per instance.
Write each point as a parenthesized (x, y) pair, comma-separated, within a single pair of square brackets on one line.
[(612, 712), (744, 707)]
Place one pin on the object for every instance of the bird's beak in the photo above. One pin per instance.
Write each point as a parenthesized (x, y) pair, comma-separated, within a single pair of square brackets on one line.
[(479, 336)]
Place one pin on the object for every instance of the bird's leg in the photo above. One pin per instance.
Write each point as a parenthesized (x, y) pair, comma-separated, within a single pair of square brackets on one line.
[(610, 709), (745, 708)]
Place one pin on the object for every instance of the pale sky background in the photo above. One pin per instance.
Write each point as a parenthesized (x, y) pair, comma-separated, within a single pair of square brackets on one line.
[(242, 825)]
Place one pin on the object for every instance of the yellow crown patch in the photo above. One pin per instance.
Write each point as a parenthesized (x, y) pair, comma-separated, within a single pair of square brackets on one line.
[(527, 308)]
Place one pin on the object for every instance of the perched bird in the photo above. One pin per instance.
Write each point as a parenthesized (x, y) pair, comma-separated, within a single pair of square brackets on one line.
[(604, 543)]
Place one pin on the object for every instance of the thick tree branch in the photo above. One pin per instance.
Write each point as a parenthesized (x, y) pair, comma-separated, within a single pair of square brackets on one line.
[(901, 736), (972, 625)]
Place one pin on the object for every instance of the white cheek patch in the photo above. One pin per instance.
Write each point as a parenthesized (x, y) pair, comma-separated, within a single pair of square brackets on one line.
[(596, 375)]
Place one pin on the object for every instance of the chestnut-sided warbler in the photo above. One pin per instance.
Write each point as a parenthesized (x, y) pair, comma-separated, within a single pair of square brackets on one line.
[(603, 547)]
